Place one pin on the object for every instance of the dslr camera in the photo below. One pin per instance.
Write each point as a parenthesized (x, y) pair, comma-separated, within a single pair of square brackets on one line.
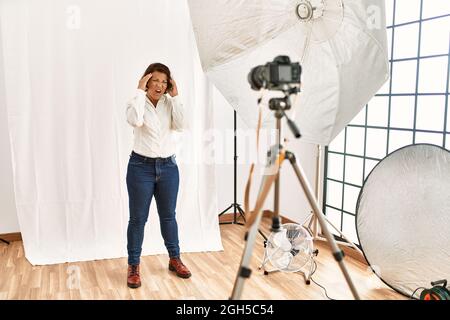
[(275, 75)]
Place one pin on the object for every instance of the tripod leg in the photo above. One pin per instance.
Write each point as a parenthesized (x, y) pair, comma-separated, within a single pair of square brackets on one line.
[(262, 235), (224, 211), (337, 253), (348, 243), (254, 221), (244, 270), (241, 212)]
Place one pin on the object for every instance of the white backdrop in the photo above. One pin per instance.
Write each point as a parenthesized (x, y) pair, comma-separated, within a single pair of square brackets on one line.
[(69, 68)]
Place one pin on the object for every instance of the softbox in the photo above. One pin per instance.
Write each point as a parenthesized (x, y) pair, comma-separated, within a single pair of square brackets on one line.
[(341, 45)]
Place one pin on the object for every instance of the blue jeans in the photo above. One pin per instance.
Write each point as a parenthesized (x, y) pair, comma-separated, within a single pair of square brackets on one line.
[(148, 177)]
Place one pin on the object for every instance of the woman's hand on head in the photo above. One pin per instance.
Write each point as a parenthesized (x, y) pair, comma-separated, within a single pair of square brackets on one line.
[(143, 82), (174, 91)]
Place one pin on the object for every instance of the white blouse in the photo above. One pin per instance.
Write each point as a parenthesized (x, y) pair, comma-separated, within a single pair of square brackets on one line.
[(154, 126)]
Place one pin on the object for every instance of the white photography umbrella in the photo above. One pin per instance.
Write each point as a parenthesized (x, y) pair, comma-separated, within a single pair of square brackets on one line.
[(341, 45)]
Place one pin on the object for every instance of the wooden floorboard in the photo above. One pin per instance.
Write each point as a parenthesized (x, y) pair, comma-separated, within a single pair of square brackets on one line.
[(213, 276)]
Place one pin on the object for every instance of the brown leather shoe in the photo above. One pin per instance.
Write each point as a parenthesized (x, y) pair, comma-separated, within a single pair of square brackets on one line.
[(134, 279), (175, 264)]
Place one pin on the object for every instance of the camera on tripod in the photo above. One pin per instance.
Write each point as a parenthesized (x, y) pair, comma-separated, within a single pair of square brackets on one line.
[(275, 75), (282, 75)]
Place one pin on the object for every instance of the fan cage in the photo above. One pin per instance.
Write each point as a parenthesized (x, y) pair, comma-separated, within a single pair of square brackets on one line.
[(290, 249)]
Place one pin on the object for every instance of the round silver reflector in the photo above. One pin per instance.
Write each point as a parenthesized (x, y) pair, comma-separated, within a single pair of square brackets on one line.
[(403, 218)]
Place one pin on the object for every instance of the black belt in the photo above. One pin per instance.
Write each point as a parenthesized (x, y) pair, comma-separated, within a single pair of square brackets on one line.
[(149, 159)]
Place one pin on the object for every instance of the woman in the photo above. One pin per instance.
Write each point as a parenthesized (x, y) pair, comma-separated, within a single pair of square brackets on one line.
[(152, 169)]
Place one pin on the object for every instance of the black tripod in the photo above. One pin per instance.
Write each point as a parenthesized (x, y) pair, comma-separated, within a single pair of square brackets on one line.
[(3, 240), (237, 209)]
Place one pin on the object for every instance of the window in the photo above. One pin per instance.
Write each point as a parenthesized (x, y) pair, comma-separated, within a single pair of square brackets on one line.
[(402, 111), (412, 107), (433, 75), (398, 139), (430, 113), (406, 41), (376, 143), (434, 8), (404, 76), (355, 141), (354, 167), (434, 38), (406, 11), (378, 111)]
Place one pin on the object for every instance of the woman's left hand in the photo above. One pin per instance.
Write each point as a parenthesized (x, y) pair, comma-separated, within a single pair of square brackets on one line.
[(174, 91)]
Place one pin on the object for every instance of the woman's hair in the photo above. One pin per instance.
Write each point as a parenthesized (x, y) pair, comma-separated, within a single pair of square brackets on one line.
[(160, 68)]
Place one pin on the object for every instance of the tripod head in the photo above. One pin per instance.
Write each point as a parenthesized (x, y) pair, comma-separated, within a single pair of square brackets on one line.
[(280, 105)]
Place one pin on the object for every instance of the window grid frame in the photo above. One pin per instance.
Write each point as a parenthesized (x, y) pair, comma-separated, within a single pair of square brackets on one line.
[(388, 128), (416, 99)]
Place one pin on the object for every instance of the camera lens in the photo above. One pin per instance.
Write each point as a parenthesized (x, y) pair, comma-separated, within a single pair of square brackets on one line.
[(256, 77)]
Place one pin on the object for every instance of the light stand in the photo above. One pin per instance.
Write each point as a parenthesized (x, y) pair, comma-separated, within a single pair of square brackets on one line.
[(236, 207), (311, 223), (276, 156), (3, 240)]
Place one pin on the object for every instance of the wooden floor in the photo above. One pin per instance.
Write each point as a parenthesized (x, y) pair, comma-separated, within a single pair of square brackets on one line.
[(213, 276)]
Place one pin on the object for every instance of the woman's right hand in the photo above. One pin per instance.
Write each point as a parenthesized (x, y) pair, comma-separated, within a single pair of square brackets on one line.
[(143, 82)]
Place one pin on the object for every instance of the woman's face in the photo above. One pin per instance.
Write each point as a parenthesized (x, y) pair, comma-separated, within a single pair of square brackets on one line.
[(157, 85)]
